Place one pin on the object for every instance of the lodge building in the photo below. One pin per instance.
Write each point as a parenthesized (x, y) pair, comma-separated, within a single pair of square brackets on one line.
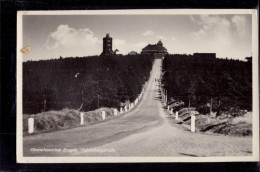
[(157, 50)]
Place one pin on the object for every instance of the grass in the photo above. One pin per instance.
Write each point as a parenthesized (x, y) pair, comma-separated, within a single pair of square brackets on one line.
[(247, 118), (66, 118), (224, 124)]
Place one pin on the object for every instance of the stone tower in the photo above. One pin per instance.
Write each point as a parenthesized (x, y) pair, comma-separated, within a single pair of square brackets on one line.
[(107, 45)]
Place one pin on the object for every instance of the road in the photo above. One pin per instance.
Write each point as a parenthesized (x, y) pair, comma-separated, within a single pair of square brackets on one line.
[(146, 131)]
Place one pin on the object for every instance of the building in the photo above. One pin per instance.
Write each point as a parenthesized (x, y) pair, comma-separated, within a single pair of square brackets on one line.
[(132, 53), (107, 45), (157, 50), (249, 59), (206, 56)]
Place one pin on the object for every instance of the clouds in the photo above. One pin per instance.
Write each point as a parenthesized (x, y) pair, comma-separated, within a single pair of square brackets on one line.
[(173, 38), (141, 44), (215, 28), (161, 37), (121, 45), (148, 33), (67, 37), (225, 34), (119, 42), (240, 25), (152, 33), (220, 27)]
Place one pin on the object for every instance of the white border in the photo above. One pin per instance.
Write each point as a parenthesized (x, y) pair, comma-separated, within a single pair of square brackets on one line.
[(255, 138), (140, 12)]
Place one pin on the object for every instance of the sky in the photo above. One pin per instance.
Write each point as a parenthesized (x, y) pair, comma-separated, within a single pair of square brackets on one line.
[(52, 36)]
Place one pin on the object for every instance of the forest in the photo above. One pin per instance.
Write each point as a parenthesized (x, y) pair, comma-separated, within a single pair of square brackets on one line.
[(83, 83), (225, 84)]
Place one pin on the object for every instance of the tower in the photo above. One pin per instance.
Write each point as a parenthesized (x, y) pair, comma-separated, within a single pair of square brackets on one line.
[(107, 45), (160, 43)]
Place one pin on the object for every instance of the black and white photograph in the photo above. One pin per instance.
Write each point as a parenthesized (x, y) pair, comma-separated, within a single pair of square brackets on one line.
[(137, 86)]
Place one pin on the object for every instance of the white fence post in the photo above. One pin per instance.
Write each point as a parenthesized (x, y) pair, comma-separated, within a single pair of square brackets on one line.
[(192, 124), (103, 115), (171, 111), (115, 112), (176, 115), (30, 125), (81, 118), (168, 108), (121, 110)]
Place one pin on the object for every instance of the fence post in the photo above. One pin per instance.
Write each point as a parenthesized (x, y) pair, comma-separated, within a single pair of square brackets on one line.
[(125, 108), (192, 124), (166, 97), (121, 110), (81, 118), (115, 112), (30, 125), (103, 115), (176, 115), (168, 108), (171, 111)]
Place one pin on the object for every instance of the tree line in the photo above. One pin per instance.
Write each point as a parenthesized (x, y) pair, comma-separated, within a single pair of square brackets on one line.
[(222, 83), (84, 83)]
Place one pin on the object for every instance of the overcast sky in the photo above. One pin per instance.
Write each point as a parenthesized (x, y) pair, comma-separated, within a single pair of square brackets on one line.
[(71, 35)]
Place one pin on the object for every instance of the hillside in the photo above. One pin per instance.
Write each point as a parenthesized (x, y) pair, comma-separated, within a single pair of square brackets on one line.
[(227, 83), (85, 83)]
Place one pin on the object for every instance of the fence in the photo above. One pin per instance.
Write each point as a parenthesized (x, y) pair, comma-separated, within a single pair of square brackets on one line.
[(192, 113), (126, 108), (165, 102)]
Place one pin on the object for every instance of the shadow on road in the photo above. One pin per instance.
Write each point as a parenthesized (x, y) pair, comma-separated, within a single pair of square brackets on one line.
[(188, 154)]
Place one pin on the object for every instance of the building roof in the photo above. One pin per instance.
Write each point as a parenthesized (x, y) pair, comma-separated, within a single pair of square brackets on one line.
[(132, 53), (155, 47), (160, 43)]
